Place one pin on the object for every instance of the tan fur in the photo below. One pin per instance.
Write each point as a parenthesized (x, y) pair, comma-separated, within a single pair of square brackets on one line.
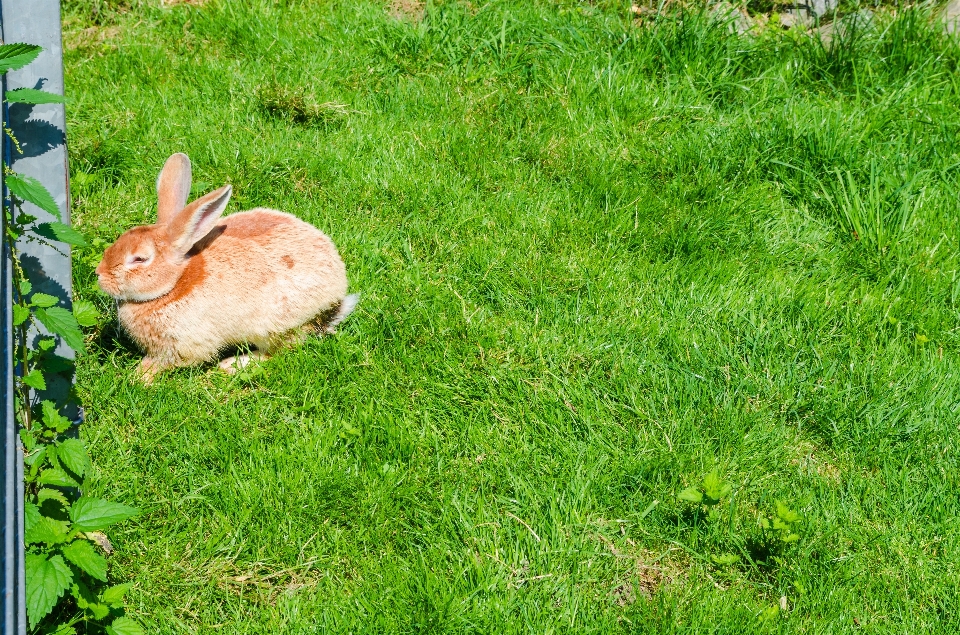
[(252, 278)]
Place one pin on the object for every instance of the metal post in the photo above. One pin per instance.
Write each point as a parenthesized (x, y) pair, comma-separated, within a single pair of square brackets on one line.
[(40, 130)]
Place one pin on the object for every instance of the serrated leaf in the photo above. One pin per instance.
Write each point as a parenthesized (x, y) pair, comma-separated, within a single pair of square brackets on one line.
[(715, 488), (82, 554), (725, 559), (61, 322), (52, 456), (65, 629), (99, 611), (48, 530), (73, 454), (114, 595), (34, 96), (691, 494), (792, 538), (35, 458), (62, 232), (29, 439), (124, 626), (56, 476), (46, 494), (86, 313), (27, 188), (43, 300), (17, 55), (20, 314), (31, 514), (52, 417), (25, 287), (90, 514), (46, 581), (786, 514), (35, 380)]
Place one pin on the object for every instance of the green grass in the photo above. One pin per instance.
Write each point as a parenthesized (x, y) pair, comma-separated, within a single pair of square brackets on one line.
[(597, 262)]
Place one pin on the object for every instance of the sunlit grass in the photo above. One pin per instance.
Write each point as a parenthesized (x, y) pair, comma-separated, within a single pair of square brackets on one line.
[(597, 262)]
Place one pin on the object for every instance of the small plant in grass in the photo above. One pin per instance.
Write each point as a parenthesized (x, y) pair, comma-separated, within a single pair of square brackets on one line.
[(778, 530), (66, 573), (709, 492), (781, 527)]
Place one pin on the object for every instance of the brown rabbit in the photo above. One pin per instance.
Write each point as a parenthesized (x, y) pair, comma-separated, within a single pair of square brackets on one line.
[(194, 284)]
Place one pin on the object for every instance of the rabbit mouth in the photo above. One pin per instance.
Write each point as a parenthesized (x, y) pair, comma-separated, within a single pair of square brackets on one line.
[(113, 289)]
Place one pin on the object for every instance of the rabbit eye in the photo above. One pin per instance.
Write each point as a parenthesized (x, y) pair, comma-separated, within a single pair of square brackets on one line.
[(137, 260)]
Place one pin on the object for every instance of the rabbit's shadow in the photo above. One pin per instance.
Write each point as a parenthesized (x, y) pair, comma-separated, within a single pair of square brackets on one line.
[(112, 341)]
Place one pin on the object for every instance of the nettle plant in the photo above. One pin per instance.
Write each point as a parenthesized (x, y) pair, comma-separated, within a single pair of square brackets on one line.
[(65, 563), (779, 530)]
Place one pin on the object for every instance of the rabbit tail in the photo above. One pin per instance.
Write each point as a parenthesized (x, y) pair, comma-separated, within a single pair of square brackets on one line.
[(346, 307)]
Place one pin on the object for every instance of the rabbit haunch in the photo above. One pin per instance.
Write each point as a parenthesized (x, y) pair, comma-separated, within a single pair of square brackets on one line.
[(194, 284)]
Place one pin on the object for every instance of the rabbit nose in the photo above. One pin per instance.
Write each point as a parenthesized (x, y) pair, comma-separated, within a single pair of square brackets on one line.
[(100, 270)]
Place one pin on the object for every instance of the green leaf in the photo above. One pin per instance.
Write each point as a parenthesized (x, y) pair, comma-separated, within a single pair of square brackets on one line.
[(46, 582), (124, 626), (31, 515), (20, 314), (725, 559), (691, 494), (715, 488), (52, 417), (48, 530), (86, 313), (99, 611), (27, 188), (61, 322), (114, 595), (44, 300), (56, 476), (90, 514), (17, 55), (46, 494), (35, 380), (791, 538), (34, 96), (787, 515), (35, 458), (25, 287), (73, 454), (29, 439), (65, 629), (62, 232), (82, 554)]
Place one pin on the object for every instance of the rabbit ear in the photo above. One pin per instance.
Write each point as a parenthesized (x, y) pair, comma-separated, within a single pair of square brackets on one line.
[(197, 219), (173, 187)]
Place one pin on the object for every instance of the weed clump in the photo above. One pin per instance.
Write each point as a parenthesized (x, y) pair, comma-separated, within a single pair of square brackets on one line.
[(288, 104)]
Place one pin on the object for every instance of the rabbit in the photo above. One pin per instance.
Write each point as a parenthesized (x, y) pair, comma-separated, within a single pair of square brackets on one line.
[(195, 284)]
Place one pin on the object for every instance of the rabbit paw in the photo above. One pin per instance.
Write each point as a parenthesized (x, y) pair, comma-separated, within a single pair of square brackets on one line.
[(232, 364), (147, 370)]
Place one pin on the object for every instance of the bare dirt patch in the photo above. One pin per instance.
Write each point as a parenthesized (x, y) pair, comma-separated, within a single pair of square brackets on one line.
[(90, 36), (409, 10)]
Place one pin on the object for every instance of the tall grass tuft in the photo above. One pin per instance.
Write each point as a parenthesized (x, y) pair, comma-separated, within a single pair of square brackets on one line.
[(876, 214)]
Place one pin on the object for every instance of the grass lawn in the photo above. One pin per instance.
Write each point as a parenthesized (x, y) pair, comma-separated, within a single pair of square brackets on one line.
[(599, 260)]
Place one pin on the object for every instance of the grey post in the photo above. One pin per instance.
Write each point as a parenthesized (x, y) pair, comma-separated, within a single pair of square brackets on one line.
[(41, 132)]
